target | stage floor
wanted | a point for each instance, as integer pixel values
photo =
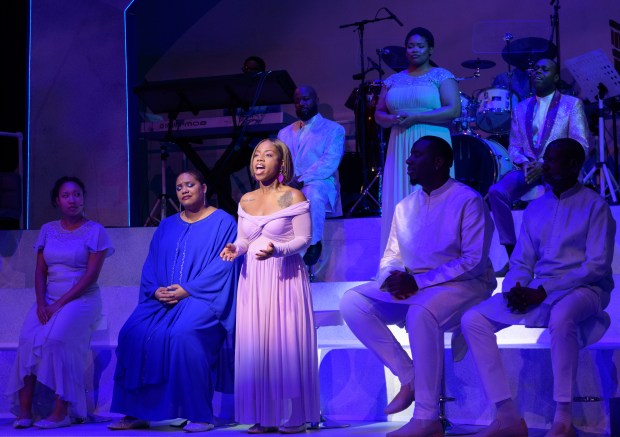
(367, 429)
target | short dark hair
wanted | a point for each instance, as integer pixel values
(196, 175)
(424, 33)
(440, 147)
(572, 148)
(260, 61)
(55, 193)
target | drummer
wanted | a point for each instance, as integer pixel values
(536, 122)
(517, 81)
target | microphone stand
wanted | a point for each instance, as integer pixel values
(555, 29)
(365, 191)
(508, 38)
(360, 128)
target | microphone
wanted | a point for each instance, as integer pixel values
(394, 17)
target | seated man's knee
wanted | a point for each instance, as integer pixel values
(417, 314)
(471, 320)
(350, 304)
(559, 324)
(496, 192)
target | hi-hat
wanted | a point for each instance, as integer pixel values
(478, 64)
(524, 52)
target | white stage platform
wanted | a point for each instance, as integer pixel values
(365, 429)
(354, 384)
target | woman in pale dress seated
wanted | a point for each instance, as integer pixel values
(276, 370)
(421, 100)
(55, 338)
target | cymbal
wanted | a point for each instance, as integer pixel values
(524, 52)
(475, 64)
(394, 57)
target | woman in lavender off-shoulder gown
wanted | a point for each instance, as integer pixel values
(276, 370)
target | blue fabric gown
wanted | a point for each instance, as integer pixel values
(167, 355)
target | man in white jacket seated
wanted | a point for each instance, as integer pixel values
(435, 266)
(560, 277)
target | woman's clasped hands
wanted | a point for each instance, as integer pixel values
(171, 295)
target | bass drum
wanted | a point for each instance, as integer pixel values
(479, 162)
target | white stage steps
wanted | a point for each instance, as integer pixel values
(354, 385)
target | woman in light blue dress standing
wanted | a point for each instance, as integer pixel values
(421, 100)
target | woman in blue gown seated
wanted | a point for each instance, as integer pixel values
(168, 348)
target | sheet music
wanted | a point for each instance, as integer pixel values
(593, 68)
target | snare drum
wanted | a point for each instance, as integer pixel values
(493, 114)
(479, 162)
(462, 123)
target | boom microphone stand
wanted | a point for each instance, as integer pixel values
(379, 169)
(361, 128)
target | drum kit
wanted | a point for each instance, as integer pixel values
(478, 161)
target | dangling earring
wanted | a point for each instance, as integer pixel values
(280, 177)
(204, 199)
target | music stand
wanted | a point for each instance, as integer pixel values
(173, 97)
(596, 77)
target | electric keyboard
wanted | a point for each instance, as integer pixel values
(215, 127)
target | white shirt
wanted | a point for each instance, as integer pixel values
(540, 114)
(443, 240)
(565, 243)
(316, 146)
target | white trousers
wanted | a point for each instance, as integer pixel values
(319, 205)
(564, 319)
(368, 319)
